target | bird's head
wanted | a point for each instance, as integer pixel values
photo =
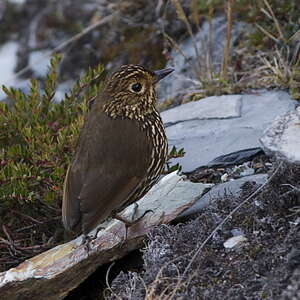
(131, 90)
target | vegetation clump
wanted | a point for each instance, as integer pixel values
(37, 137)
(264, 266)
(265, 55)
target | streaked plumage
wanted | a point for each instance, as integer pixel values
(121, 150)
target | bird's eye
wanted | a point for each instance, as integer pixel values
(136, 87)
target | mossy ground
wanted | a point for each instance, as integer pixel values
(266, 266)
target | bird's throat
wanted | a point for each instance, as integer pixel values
(137, 111)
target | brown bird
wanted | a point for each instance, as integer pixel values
(121, 150)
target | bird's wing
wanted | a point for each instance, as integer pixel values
(110, 162)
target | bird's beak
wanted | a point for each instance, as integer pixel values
(160, 74)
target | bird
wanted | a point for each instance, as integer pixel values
(120, 153)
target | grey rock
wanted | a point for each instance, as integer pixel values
(7, 62)
(39, 62)
(283, 137)
(204, 109)
(235, 241)
(222, 190)
(246, 170)
(235, 158)
(17, 1)
(207, 138)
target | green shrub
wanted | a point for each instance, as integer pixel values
(37, 138)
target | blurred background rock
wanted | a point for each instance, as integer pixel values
(31, 29)
(155, 33)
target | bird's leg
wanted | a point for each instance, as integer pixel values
(136, 206)
(129, 223)
(132, 221)
(86, 242)
(88, 238)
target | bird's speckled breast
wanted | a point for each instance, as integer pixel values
(155, 132)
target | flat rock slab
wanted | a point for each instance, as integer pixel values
(231, 188)
(205, 109)
(283, 137)
(228, 124)
(235, 158)
(52, 274)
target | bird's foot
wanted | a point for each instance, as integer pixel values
(89, 238)
(129, 223)
(136, 206)
(133, 221)
(86, 242)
